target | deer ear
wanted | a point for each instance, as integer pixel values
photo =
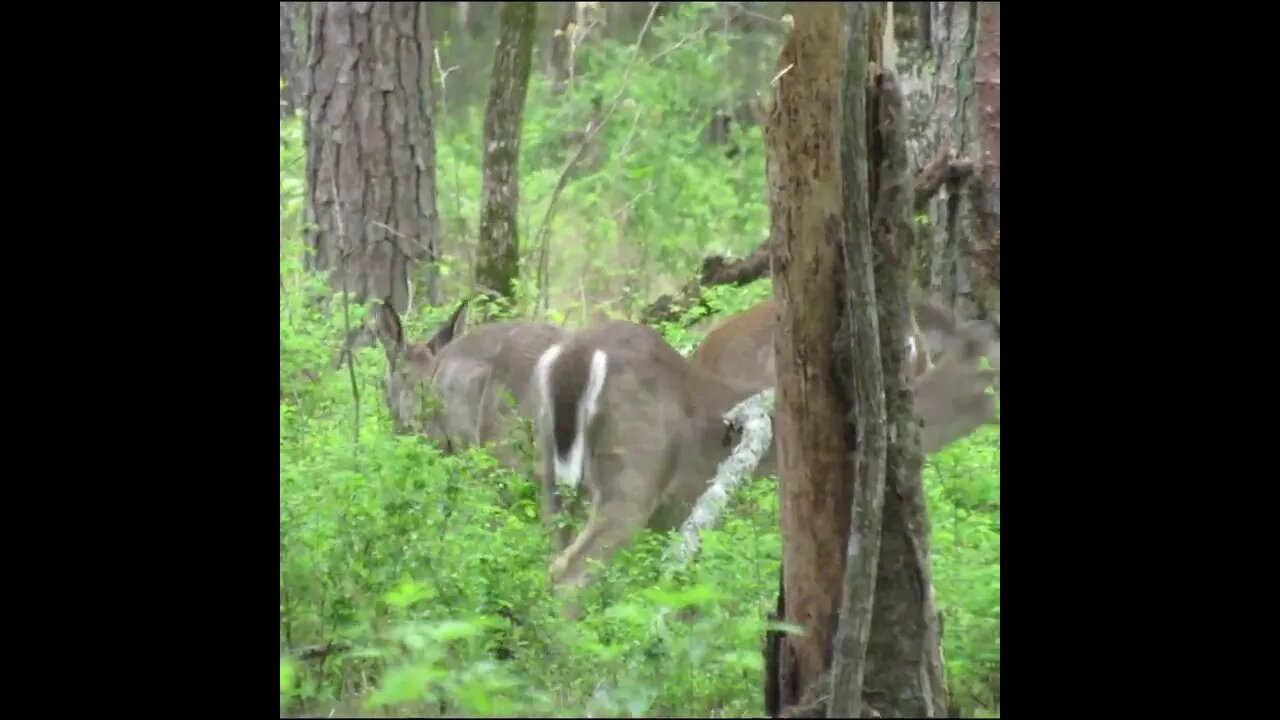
(453, 328)
(387, 326)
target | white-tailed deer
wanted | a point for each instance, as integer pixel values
(452, 387)
(642, 428)
(740, 349)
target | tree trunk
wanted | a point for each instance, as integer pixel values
(560, 58)
(498, 259)
(431, 233)
(814, 440)
(984, 193)
(954, 42)
(292, 58)
(863, 546)
(854, 394)
(903, 672)
(368, 126)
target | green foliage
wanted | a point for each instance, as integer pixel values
(660, 199)
(424, 575)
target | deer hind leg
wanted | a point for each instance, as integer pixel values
(622, 502)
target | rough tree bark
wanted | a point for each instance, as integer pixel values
(955, 275)
(292, 58)
(367, 140)
(984, 195)
(716, 270)
(498, 256)
(813, 436)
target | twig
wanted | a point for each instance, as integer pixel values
(320, 652)
(344, 249)
(542, 237)
(783, 71)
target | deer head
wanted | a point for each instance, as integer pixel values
(454, 386)
(412, 366)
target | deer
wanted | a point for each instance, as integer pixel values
(642, 428)
(452, 386)
(741, 349)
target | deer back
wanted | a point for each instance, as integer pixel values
(741, 348)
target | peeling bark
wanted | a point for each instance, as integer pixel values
(498, 255)
(368, 155)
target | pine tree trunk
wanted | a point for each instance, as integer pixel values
(368, 129)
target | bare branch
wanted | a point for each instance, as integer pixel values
(753, 416)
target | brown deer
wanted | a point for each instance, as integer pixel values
(741, 349)
(626, 415)
(452, 387)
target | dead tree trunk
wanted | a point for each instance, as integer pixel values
(903, 670)
(498, 258)
(813, 435)
(870, 640)
(367, 129)
(431, 233)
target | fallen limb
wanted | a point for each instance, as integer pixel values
(753, 417)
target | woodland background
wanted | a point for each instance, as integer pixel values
(641, 178)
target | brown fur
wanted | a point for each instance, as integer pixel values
(466, 372)
(658, 434)
(654, 444)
